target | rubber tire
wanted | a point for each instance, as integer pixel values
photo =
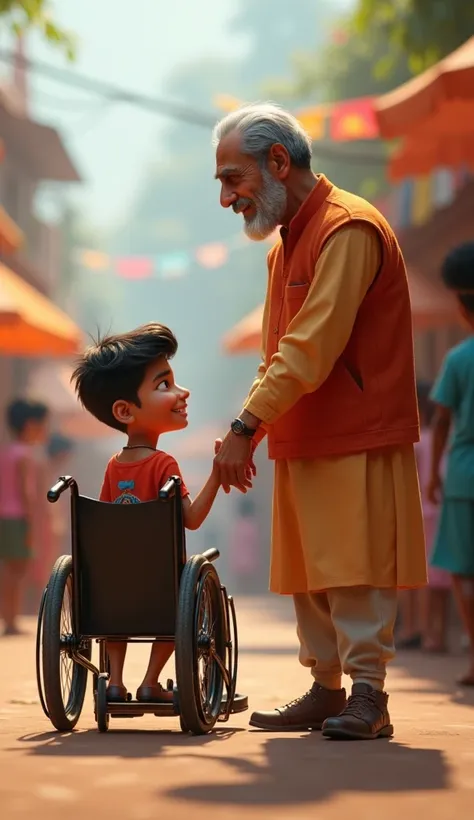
(191, 717)
(102, 714)
(63, 719)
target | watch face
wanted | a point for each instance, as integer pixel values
(237, 426)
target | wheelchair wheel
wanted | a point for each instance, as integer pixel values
(102, 716)
(63, 680)
(200, 646)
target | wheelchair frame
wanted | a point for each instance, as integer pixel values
(194, 579)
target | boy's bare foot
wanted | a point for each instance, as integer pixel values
(154, 694)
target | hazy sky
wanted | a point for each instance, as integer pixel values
(134, 45)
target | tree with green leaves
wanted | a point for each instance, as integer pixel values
(419, 31)
(374, 48)
(24, 15)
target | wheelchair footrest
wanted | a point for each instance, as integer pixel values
(239, 704)
(135, 708)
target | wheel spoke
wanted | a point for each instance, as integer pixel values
(66, 665)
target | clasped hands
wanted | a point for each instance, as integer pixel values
(233, 462)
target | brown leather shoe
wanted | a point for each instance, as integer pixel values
(306, 712)
(365, 717)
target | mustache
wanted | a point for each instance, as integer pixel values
(241, 203)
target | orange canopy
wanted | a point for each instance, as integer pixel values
(449, 81)
(431, 306)
(246, 335)
(31, 325)
(434, 113)
(419, 154)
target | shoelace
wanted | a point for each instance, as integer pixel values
(297, 701)
(357, 704)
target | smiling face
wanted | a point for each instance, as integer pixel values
(163, 403)
(250, 188)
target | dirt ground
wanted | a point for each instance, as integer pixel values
(146, 768)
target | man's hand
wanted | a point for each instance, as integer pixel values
(434, 489)
(234, 461)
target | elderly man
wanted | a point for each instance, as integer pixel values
(335, 394)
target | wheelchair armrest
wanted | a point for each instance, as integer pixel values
(63, 483)
(168, 490)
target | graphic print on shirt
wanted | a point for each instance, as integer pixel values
(126, 497)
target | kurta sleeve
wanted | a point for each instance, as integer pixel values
(262, 369)
(319, 333)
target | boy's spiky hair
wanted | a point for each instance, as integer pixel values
(114, 367)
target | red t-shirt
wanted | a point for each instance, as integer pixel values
(139, 480)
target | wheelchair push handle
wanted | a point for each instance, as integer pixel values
(168, 490)
(63, 483)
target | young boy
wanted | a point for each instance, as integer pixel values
(126, 381)
(27, 423)
(453, 395)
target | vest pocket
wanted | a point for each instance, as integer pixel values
(296, 290)
(353, 373)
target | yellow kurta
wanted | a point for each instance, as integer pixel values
(341, 521)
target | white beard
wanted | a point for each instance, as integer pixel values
(270, 206)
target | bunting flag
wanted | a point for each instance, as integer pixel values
(412, 202)
(422, 203)
(212, 256)
(171, 265)
(346, 120)
(313, 120)
(354, 120)
(138, 267)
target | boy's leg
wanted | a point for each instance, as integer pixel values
(116, 651)
(463, 586)
(160, 654)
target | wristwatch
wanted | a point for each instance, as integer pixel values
(239, 428)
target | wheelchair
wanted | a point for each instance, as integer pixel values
(128, 579)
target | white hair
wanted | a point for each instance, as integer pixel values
(262, 125)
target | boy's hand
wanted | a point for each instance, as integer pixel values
(250, 471)
(434, 489)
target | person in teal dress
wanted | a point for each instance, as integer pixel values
(453, 395)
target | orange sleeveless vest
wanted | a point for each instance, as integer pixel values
(369, 399)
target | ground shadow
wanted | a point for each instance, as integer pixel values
(125, 743)
(310, 769)
(437, 673)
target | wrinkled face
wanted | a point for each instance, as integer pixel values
(252, 189)
(163, 403)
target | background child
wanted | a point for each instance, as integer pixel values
(126, 381)
(27, 423)
(435, 598)
(453, 395)
(423, 613)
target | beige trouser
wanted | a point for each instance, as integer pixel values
(347, 629)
